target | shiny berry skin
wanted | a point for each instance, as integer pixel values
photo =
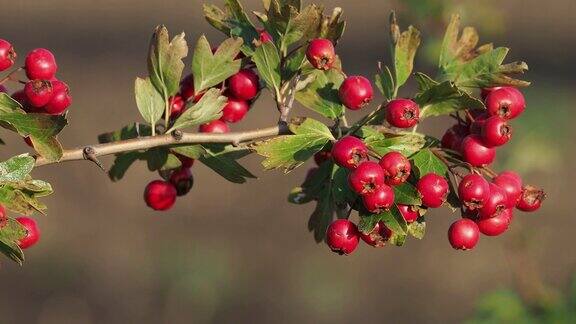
(531, 199)
(496, 225)
(321, 53)
(496, 131)
(486, 91)
(379, 200)
(463, 234)
(342, 236)
(410, 213)
(495, 203)
(244, 85)
(453, 137)
(265, 37)
(7, 55)
(38, 92)
(40, 64)
(475, 152)
(356, 92)
(512, 175)
(32, 232)
(396, 168)
(473, 191)
(433, 190)
(182, 180)
(379, 235)
(366, 178)
(506, 102)
(177, 105)
(402, 113)
(235, 110)
(511, 186)
(61, 99)
(322, 157)
(349, 151)
(215, 126)
(160, 195)
(187, 91)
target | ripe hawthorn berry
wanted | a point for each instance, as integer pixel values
(511, 174)
(402, 113)
(40, 64)
(475, 152)
(473, 191)
(322, 157)
(379, 200)
(342, 236)
(182, 180)
(486, 91)
(32, 232)
(463, 234)
(235, 110)
(495, 203)
(185, 161)
(453, 137)
(215, 126)
(356, 92)
(244, 85)
(512, 186)
(187, 91)
(531, 198)
(379, 235)
(410, 213)
(433, 190)
(321, 53)
(264, 36)
(366, 178)
(506, 102)
(496, 225)
(7, 55)
(349, 151)
(177, 105)
(38, 92)
(160, 195)
(61, 99)
(396, 168)
(496, 131)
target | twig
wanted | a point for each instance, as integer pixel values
(10, 77)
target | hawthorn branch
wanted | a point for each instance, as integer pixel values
(172, 139)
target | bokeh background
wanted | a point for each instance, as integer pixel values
(231, 253)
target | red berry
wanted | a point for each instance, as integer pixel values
(38, 92)
(512, 175)
(265, 37)
(321, 53)
(3, 217)
(410, 213)
(511, 186)
(496, 131)
(187, 89)
(433, 190)
(40, 64)
(160, 195)
(177, 105)
(366, 178)
(463, 234)
(496, 225)
(235, 110)
(402, 113)
(477, 124)
(396, 168)
(215, 126)
(379, 200)
(7, 55)
(475, 152)
(32, 232)
(495, 203)
(61, 98)
(506, 102)
(453, 137)
(486, 91)
(356, 92)
(244, 85)
(531, 199)
(186, 161)
(379, 235)
(322, 157)
(342, 236)
(182, 180)
(349, 152)
(473, 191)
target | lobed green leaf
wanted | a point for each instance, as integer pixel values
(165, 63)
(212, 69)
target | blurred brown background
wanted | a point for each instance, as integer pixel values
(230, 253)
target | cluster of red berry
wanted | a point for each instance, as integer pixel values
(32, 232)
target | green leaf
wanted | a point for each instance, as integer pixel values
(385, 82)
(392, 218)
(426, 162)
(9, 105)
(155, 158)
(165, 63)
(207, 109)
(417, 229)
(294, 63)
(267, 61)
(291, 151)
(323, 214)
(16, 168)
(10, 234)
(121, 164)
(222, 160)
(212, 69)
(127, 132)
(405, 46)
(406, 143)
(406, 194)
(314, 185)
(191, 151)
(397, 239)
(20, 201)
(149, 101)
(319, 92)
